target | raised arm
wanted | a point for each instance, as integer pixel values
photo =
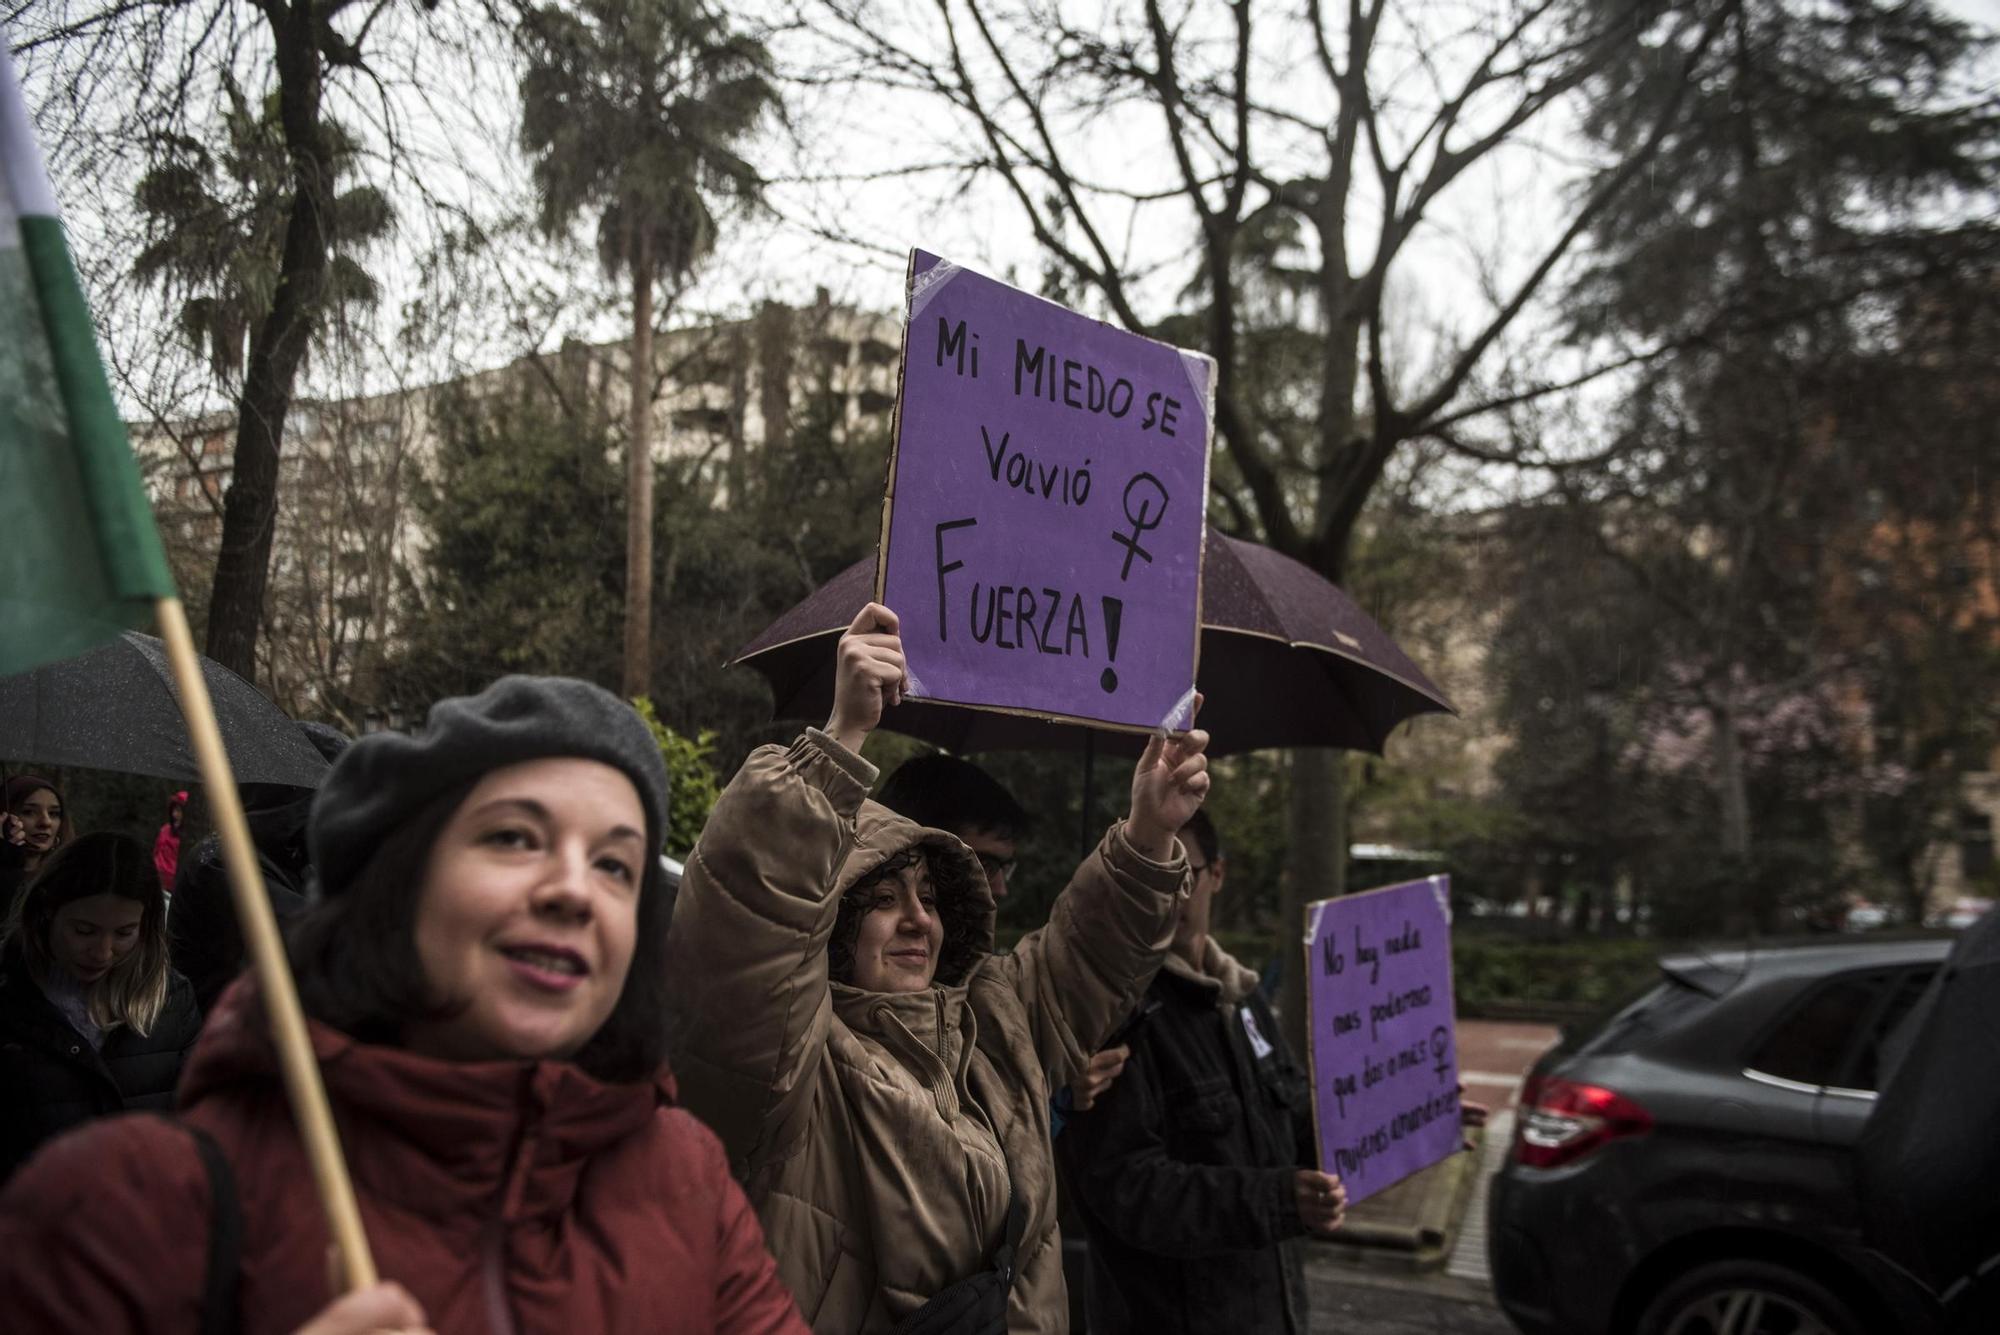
(1081, 974)
(746, 957)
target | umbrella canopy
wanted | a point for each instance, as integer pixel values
(1287, 659)
(116, 708)
(1928, 1174)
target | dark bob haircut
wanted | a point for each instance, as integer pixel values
(355, 955)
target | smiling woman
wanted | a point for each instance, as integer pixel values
(529, 911)
(879, 1071)
(482, 973)
(889, 932)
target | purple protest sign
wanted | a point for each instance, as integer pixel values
(1041, 541)
(1383, 1044)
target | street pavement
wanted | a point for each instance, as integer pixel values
(1349, 1298)
(1360, 1303)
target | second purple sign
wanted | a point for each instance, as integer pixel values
(1384, 1043)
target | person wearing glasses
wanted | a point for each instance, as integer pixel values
(1193, 1172)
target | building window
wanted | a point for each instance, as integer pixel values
(1975, 843)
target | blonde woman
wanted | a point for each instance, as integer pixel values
(92, 1019)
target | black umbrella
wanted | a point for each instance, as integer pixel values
(116, 708)
(1287, 659)
(1929, 1159)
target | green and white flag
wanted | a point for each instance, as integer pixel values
(80, 558)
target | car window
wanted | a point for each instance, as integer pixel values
(1659, 1007)
(1811, 1044)
(1881, 1037)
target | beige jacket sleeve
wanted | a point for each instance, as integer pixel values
(1082, 974)
(746, 956)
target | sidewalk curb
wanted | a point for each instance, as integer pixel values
(1421, 1242)
(1335, 1271)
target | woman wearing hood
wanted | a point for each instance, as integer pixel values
(481, 977)
(880, 1077)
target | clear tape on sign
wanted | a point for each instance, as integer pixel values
(23, 180)
(1179, 717)
(1438, 893)
(1312, 921)
(1196, 366)
(929, 283)
(912, 688)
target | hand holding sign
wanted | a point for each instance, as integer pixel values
(868, 675)
(1168, 787)
(1321, 1200)
(381, 1309)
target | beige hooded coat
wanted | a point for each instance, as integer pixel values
(870, 1128)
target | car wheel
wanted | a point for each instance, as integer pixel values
(1747, 1298)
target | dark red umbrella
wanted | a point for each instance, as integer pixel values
(1287, 659)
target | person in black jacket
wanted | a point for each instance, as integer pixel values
(1193, 1170)
(207, 938)
(93, 1021)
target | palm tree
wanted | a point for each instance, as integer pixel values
(215, 227)
(631, 110)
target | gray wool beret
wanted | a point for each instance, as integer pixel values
(384, 778)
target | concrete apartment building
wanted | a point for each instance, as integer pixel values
(348, 538)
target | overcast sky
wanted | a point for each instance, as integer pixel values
(456, 114)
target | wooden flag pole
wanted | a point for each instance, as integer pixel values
(267, 956)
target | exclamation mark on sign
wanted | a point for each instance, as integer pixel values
(1113, 610)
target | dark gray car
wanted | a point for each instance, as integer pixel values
(1685, 1166)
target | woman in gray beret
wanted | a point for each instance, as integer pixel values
(482, 975)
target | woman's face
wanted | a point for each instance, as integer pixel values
(40, 814)
(897, 948)
(528, 910)
(89, 936)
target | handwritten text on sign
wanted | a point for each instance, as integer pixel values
(1043, 544)
(1384, 1048)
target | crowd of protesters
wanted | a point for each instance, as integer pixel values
(869, 1115)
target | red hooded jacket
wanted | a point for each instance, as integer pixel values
(510, 1197)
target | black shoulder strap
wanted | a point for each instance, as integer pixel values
(219, 1315)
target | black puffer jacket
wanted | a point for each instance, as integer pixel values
(51, 1080)
(1183, 1171)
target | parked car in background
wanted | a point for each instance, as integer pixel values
(1684, 1167)
(1863, 916)
(1962, 913)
